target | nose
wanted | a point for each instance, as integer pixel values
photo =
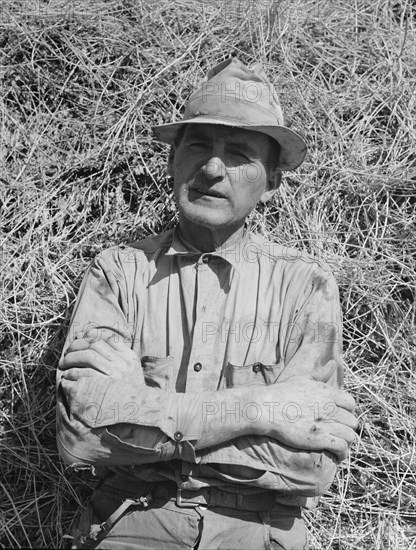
(214, 168)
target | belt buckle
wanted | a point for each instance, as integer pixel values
(184, 503)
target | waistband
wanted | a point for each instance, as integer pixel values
(209, 497)
(212, 497)
(158, 493)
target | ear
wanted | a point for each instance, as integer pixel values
(273, 183)
(171, 158)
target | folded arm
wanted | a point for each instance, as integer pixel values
(109, 419)
(108, 416)
(112, 418)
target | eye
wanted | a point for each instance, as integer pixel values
(238, 153)
(197, 145)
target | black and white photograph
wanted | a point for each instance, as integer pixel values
(208, 274)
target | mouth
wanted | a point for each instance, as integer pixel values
(209, 193)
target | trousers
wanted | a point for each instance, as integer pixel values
(165, 525)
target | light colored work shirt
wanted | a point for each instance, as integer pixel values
(250, 313)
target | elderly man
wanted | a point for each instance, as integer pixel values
(201, 373)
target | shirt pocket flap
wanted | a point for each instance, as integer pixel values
(255, 373)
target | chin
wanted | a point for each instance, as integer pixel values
(207, 221)
(207, 217)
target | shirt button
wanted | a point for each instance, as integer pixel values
(178, 436)
(205, 259)
(197, 367)
(257, 367)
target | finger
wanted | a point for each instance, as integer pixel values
(324, 373)
(112, 346)
(118, 340)
(343, 432)
(67, 385)
(334, 437)
(106, 343)
(117, 353)
(343, 399)
(348, 419)
(101, 347)
(328, 394)
(75, 373)
(336, 395)
(78, 345)
(332, 413)
(86, 358)
(337, 445)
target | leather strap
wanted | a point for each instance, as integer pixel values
(215, 497)
(99, 531)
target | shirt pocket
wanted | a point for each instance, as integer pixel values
(158, 371)
(256, 373)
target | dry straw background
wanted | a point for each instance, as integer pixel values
(82, 82)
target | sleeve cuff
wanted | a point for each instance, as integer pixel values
(184, 417)
(106, 402)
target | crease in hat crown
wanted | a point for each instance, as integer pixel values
(242, 97)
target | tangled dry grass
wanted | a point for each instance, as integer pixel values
(82, 82)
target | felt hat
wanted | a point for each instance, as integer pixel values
(241, 97)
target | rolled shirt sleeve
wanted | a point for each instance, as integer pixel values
(105, 418)
(105, 421)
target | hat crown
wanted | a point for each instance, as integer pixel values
(233, 90)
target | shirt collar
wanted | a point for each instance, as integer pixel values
(231, 251)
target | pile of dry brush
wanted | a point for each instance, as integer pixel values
(82, 83)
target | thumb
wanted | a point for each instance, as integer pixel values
(325, 372)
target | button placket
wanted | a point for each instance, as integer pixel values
(202, 347)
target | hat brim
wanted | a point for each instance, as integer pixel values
(293, 147)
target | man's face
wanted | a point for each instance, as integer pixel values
(220, 174)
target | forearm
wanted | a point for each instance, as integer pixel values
(268, 464)
(140, 425)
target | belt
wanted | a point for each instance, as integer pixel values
(214, 497)
(206, 497)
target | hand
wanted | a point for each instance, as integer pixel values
(310, 415)
(106, 356)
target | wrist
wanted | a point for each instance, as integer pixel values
(268, 401)
(232, 413)
(259, 408)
